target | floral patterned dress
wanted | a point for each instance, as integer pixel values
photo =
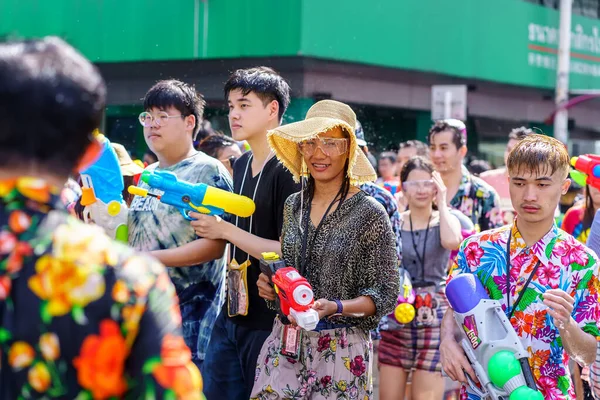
(82, 317)
(564, 264)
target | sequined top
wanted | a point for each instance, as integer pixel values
(353, 254)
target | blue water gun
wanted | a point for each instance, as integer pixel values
(102, 193)
(199, 197)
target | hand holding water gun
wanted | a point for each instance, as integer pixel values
(587, 170)
(102, 192)
(188, 197)
(490, 343)
(296, 296)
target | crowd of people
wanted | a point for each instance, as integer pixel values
(184, 311)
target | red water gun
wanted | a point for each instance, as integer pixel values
(587, 170)
(296, 296)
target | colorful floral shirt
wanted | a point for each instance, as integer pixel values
(565, 264)
(478, 201)
(82, 317)
(572, 223)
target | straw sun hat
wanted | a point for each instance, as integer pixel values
(321, 117)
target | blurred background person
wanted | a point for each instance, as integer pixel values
(387, 172)
(221, 147)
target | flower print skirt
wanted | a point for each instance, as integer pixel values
(332, 364)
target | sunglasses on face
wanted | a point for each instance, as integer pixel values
(329, 146)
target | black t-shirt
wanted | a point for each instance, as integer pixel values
(276, 185)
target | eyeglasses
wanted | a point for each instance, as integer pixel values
(161, 118)
(329, 146)
(418, 185)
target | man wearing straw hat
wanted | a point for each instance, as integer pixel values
(341, 240)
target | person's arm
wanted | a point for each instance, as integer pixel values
(218, 229)
(453, 358)
(377, 278)
(159, 362)
(580, 345)
(450, 234)
(193, 253)
(450, 230)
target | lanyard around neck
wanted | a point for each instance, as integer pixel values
(511, 310)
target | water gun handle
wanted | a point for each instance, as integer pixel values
(527, 373)
(138, 191)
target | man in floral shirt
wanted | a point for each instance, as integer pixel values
(469, 194)
(557, 314)
(81, 317)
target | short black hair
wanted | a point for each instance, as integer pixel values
(458, 137)
(389, 155)
(177, 94)
(213, 144)
(51, 101)
(265, 82)
(422, 149)
(519, 133)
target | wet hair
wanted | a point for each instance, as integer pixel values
(51, 101)
(388, 155)
(213, 144)
(265, 82)
(416, 163)
(539, 154)
(179, 95)
(519, 133)
(458, 137)
(422, 149)
(477, 166)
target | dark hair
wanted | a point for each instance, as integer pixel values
(179, 95)
(388, 155)
(422, 149)
(537, 152)
(51, 100)
(416, 163)
(477, 166)
(213, 144)
(458, 137)
(265, 82)
(204, 130)
(590, 212)
(519, 133)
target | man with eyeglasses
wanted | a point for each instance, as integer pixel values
(197, 265)
(470, 195)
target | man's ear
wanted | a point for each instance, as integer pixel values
(565, 186)
(190, 122)
(463, 151)
(273, 107)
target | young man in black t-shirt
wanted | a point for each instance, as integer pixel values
(257, 99)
